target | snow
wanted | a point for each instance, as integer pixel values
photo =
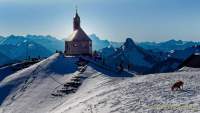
(30, 89)
(189, 69)
(101, 92)
(197, 54)
(150, 93)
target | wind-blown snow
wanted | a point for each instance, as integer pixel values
(99, 92)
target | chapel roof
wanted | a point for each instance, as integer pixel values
(78, 35)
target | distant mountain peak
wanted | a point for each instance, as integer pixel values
(129, 44)
(98, 43)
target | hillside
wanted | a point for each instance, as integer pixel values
(30, 90)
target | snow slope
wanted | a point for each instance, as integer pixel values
(30, 91)
(151, 93)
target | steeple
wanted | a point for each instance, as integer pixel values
(76, 10)
(76, 20)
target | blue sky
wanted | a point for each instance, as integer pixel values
(143, 20)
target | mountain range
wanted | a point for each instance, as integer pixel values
(165, 46)
(131, 54)
(143, 60)
(16, 48)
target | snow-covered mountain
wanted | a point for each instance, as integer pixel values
(150, 60)
(107, 51)
(185, 53)
(20, 47)
(49, 42)
(164, 46)
(30, 90)
(132, 54)
(97, 43)
(21, 51)
(167, 46)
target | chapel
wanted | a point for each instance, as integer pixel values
(78, 43)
